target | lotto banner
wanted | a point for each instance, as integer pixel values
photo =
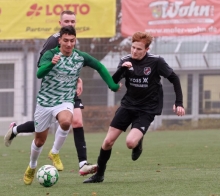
(29, 19)
(171, 17)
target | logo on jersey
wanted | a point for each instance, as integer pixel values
(147, 71)
(143, 128)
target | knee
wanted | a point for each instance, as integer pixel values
(108, 143)
(130, 144)
(77, 123)
(39, 142)
(65, 125)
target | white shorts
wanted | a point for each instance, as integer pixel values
(45, 116)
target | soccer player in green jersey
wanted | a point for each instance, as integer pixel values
(67, 18)
(59, 69)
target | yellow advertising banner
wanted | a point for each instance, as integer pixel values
(38, 19)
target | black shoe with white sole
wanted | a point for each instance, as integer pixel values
(94, 179)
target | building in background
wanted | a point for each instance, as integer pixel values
(195, 58)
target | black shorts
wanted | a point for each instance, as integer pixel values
(138, 119)
(78, 103)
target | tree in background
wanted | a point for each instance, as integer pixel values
(99, 48)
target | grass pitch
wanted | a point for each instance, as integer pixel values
(173, 163)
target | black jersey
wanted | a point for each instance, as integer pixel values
(142, 80)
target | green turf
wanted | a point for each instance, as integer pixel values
(184, 163)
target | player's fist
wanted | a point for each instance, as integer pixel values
(55, 59)
(127, 64)
(180, 111)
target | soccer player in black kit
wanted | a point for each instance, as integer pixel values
(142, 101)
(66, 18)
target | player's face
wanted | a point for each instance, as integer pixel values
(68, 20)
(138, 50)
(67, 43)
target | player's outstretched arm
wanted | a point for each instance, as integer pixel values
(103, 72)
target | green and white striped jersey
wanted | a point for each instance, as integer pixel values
(59, 81)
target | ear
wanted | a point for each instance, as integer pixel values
(59, 40)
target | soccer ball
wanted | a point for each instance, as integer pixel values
(47, 175)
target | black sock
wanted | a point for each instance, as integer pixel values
(103, 158)
(80, 143)
(27, 127)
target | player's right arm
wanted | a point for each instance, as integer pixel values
(52, 42)
(122, 67)
(47, 61)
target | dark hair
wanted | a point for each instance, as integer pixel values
(70, 30)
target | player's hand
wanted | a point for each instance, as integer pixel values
(120, 85)
(127, 64)
(79, 88)
(55, 59)
(180, 111)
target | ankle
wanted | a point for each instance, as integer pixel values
(14, 130)
(81, 163)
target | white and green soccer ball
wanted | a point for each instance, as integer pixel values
(47, 175)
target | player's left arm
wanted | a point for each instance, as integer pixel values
(166, 71)
(101, 69)
(178, 106)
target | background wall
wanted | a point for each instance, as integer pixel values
(195, 59)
